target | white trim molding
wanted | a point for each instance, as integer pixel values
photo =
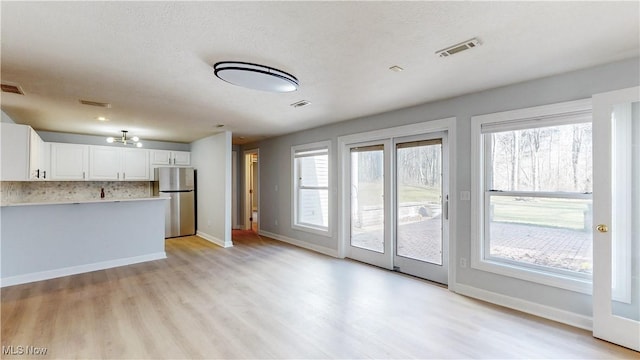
(543, 311)
(299, 243)
(80, 269)
(214, 240)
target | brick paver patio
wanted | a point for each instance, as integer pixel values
(558, 248)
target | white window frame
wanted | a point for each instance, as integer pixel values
(549, 115)
(295, 224)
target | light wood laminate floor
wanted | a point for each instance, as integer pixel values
(266, 299)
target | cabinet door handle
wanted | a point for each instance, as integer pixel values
(124, 176)
(118, 176)
(44, 174)
(83, 177)
(37, 173)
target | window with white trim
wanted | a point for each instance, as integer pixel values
(311, 183)
(533, 198)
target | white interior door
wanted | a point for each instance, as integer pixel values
(368, 179)
(616, 199)
(421, 206)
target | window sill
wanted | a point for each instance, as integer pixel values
(575, 284)
(313, 230)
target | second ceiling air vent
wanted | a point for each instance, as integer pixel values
(301, 103)
(95, 103)
(454, 49)
(14, 89)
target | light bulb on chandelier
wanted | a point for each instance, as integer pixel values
(124, 140)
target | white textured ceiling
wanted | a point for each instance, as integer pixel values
(153, 60)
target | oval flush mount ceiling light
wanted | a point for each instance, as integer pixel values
(254, 76)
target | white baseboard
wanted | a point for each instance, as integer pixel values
(73, 270)
(215, 240)
(302, 244)
(544, 311)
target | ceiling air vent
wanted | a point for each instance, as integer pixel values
(95, 103)
(12, 89)
(454, 49)
(301, 103)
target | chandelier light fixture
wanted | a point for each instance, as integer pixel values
(254, 76)
(124, 140)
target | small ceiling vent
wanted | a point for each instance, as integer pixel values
(301, 103)
(454, 49)
(12, 89)
(95, 103)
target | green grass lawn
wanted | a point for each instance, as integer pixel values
(370, 194)
(550, 212)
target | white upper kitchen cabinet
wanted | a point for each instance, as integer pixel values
(22, 152)
(39, 157)
(108, 163)
(69, 161)
(182, 158)
(135, 165)
(105, 163)
(166, 157)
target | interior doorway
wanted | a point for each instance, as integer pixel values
(251, 190)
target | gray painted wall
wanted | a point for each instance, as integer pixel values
(275, 166)
(50, 136)
(45, 241)
(6, 119)
(236, 187)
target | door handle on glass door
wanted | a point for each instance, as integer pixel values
(446, 208)
(602, 228)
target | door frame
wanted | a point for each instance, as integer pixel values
(344, 143)
(246, 155)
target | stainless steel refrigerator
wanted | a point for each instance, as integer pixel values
(178, 184)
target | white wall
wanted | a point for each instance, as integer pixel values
(211, 157)
(276, 164)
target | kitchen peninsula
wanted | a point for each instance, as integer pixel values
(47, 239)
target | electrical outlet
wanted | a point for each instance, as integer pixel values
(463, 262)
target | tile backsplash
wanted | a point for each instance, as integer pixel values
(45, 191)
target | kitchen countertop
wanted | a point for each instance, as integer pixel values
(90, 201)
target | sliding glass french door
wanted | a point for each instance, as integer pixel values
(398, 197)
(421, 207)
(616, 217)
(369, 239)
